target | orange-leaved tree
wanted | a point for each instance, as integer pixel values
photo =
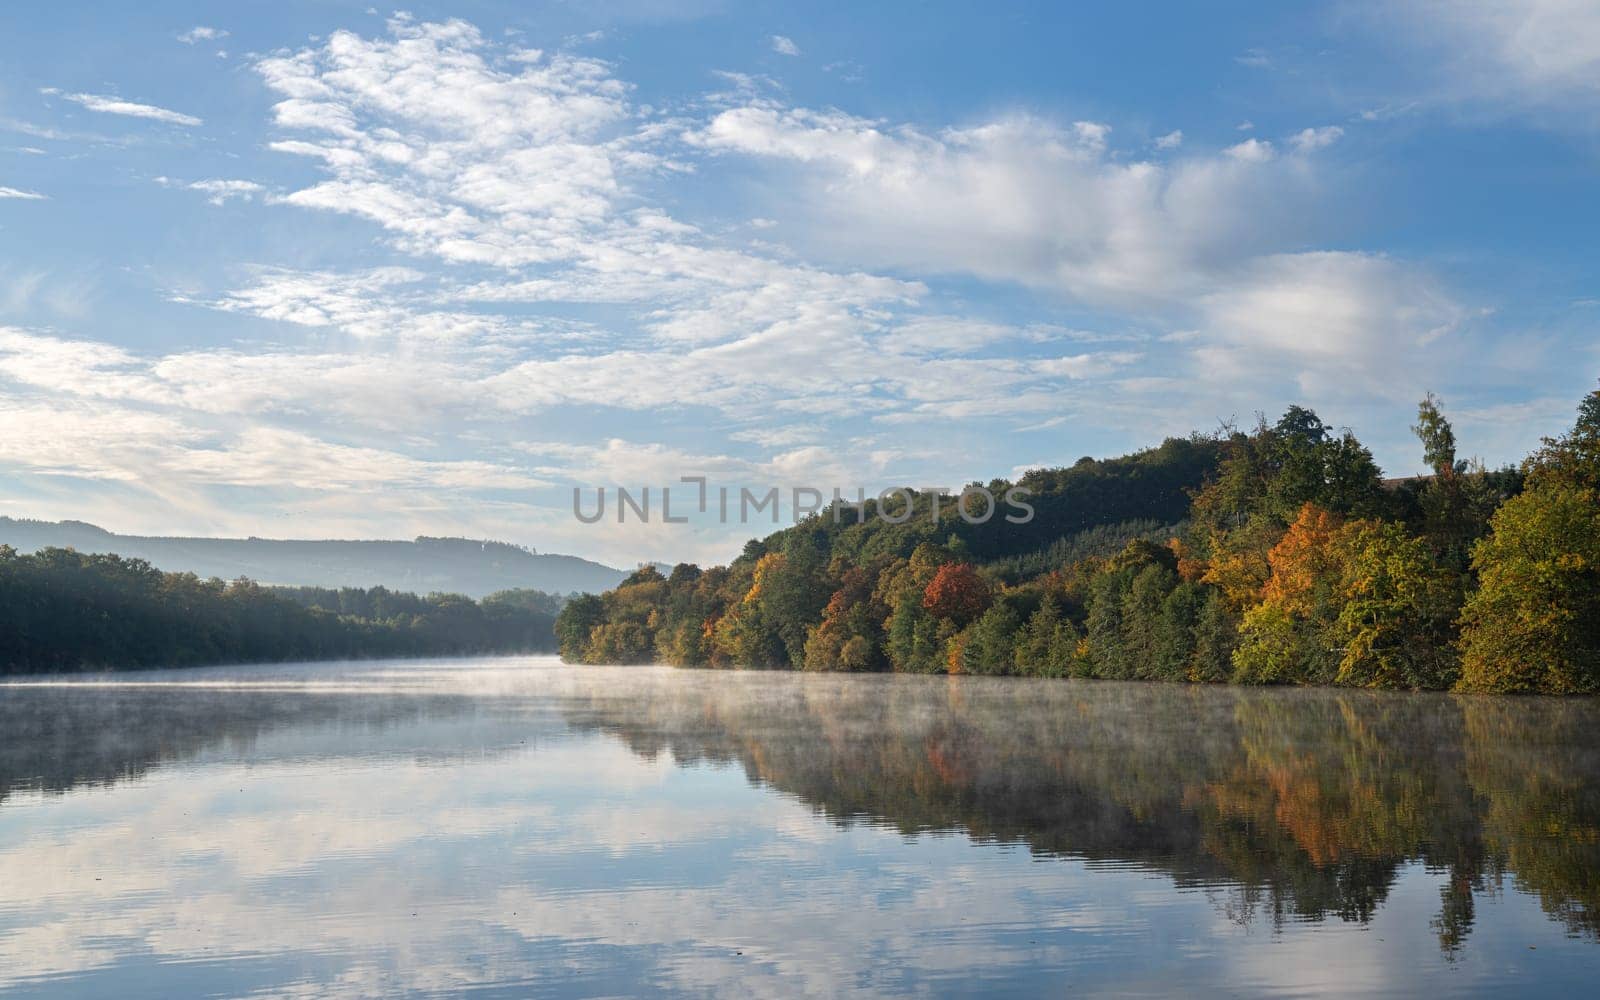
(956, 592)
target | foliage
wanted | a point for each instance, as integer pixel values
(1574, 458)
(957, 593)
(1399, 602)
(1099, 542)
(1437, 436)
(1534, 622)
(62, 610)
(1361, 604)
(1048, 644)
(1276, 555)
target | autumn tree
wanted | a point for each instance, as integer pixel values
(1283, 638)
(956, 592)
(846, 638)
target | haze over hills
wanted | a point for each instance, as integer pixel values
(456, 565)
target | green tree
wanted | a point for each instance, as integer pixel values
(1574, 458)
(1176, 631)
(1396, 622)
(991, 641)
(1437, 436)
(914, 642)
(1144, 632)
(1215, 638)
(1047, 644)
(1108, 654)
(1534, 622)
(620, 642)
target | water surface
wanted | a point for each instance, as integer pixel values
(516, 827)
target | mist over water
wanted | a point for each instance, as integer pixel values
(518, 827)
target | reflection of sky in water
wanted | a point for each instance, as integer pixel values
(438, 829)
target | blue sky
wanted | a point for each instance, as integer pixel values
(315, 269)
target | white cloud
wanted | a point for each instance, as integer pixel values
(784, 46)
(1309, 140)
(17, 193)
(220, 191)
(451, 154)
(91, 439)
(388, 302)
(1333, 319)
(1172, 140)
(1250, 151)
(1024, 200)
(277, 458)
(1506, 54)
(118, 106)
(201, 33)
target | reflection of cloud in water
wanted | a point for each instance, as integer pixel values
(433, 827)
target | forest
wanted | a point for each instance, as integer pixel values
(63, 610)
(1277, 555)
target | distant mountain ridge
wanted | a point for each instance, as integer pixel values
(455, 565)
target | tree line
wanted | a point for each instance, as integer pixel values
(1276, 555)
(63, 610)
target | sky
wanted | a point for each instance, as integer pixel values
(318, 269)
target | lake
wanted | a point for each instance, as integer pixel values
(516, 827)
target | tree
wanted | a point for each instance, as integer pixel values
(1144, 623)
(1398, 605)
(1105, 638)
(1534, 622)
(1457, 501)
(1284, 639)
(956, 592)
(1239, 566)
(914, 642)
(991, 642)
(1437, 436)
(1175, 634)
(1047, 644)
(620, 642)
(792, 590)
(1574, 458)
(851, 614)
(1216, 635)
(1360, 603)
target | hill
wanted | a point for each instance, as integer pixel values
(423, 565)
(1275, 556)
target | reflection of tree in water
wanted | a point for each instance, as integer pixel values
(1280, 804)
(54, 739)
(1538, 780)
(1283, 805)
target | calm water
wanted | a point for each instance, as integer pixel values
(515, 827)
